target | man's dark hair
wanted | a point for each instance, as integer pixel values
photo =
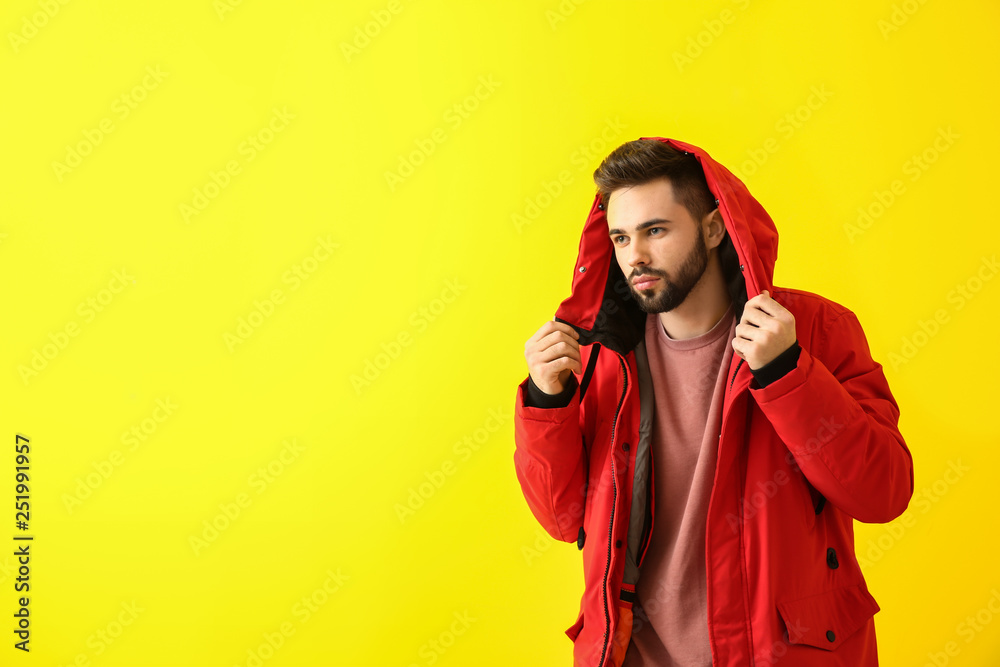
(644, 160)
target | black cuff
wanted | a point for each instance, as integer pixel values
(778, 367)
(536, 398)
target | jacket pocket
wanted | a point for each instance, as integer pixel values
(827, 620)
(574, 630)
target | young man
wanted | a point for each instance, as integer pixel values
(706, 438)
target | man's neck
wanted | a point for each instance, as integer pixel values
(702, 309)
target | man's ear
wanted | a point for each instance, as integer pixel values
(715, 228)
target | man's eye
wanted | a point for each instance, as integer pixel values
(619, 240)
(653, 230)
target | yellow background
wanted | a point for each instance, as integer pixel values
(435, 281)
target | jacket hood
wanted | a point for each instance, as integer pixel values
(601, 307)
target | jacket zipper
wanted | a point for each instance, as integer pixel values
(611, 523)
(733, 379)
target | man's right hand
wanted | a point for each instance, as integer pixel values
(553, 353)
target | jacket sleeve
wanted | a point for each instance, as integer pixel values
(551, 463)
(839, 420)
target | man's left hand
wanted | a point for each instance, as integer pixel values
(766, 330)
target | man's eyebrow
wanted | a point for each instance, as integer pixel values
(641, 226)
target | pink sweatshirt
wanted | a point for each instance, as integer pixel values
(671, 626)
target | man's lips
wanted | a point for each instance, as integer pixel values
(644, 282)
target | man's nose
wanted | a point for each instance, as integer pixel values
(637, 255)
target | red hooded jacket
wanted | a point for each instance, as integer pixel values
(798, 461)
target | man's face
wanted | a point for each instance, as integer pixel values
(659, 245)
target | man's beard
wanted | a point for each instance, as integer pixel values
(673, 294)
